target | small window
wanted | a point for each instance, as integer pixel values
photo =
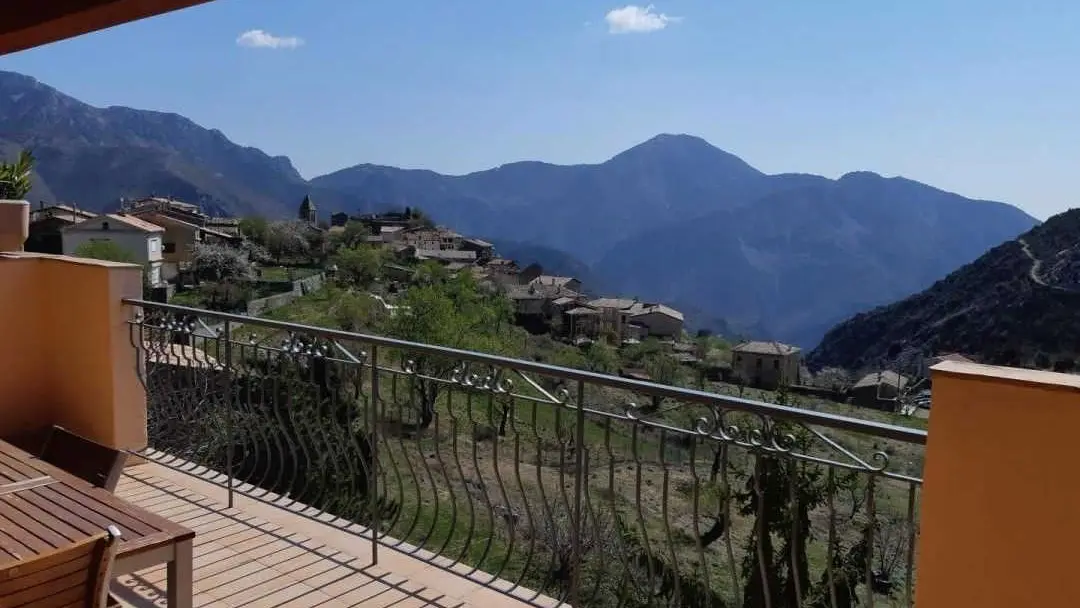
(738, 358)
(169, 248)
(104, 225)
(776, 364)
(757, 363)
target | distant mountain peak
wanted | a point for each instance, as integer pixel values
(669, 142)
(688, 151)
(861, 175)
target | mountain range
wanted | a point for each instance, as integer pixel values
(94, 156)
(673, 219)
(1015, 305)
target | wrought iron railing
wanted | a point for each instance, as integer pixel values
(539, 480)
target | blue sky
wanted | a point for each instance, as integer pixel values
(978, 97)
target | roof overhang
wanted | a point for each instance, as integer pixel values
(30, 23)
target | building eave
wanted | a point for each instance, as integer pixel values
(30, 23)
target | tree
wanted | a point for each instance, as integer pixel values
(834, 378)
(15, 177)
(254, 228)
(104, 250)
(430, 272)
(353, 311)
(601, 358)
(359, 266)
(224, 296)
(453, 313)
(287, 239)
(419, 219)
(317, 244)
(662, 369)
(353, 234)
(219, 263)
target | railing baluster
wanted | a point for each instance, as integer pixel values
(911, 531)
(579, 473)
(871, 524)
(793, 510)
(230, 410)
(374, 445)
(761, 531)
(830, 554)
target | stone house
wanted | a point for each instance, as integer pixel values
(617, 315)
(581, 322)
(484, 250)
(565, 282)
(502, 266)
(878, 390)
(766, 365)
(659, 321)
(432, 239)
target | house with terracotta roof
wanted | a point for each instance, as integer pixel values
(137, 236)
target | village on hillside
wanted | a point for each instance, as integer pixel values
(253, 267)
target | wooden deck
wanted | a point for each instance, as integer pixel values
(258, 555)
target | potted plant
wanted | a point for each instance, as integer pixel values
(14, 210)
(15, 177)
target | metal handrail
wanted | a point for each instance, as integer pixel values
(807, 417)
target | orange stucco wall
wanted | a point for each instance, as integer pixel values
(66, 353)
(1000, 510)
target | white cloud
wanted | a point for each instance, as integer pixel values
(633, 19)
(261, 39)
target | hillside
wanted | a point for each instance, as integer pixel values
(1015, 305)
(94, 156)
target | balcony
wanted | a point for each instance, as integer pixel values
(321, 467)
(547, 485)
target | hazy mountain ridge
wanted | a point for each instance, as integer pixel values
(675, 219)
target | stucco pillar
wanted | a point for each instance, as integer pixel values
(1000, 509)
(68, 358)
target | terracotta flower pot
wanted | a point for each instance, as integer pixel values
(14, 224)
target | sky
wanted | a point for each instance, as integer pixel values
(976, 97)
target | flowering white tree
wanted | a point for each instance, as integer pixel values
(220, 263)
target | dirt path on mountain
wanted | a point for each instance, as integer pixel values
(1036, 264)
